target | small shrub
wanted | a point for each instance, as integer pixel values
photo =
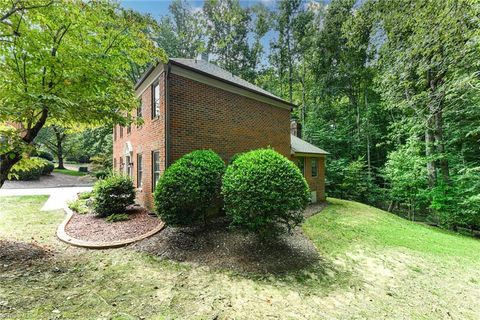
(85, 195)
(47, 168)
(27, 169)
(102, 174)
(112, 195)
(189, 190)
(83, 169)
(45, 155)
(264, 192)
(117, 217)
(79, 206)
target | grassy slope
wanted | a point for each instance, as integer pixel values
(70, 172)
(374, 265)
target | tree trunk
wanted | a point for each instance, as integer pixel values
(443, 162)
(7, 161)
(431, 168)
(60, 136)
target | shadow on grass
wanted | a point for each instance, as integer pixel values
(291, 259)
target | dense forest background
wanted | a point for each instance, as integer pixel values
(390, 88)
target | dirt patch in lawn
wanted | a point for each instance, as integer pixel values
(217, 246)
(14, 251)
(89, 227)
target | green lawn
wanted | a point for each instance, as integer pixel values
(373, 265)
(70, 172)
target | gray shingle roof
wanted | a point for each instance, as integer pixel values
(217, 72)
(302, 146)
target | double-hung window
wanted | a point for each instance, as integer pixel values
(314, 167)
(139, 171)
(128, 165)
(155, 99)
(155, 168)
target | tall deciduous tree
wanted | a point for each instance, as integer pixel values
(67, 63)
(229, 30)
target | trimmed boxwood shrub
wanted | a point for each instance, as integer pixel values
(264, 192)
(112, 195)
(190, 188)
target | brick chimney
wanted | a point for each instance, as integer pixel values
(296, 128)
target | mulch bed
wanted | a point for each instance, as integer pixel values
(89, 227)
(219, 247)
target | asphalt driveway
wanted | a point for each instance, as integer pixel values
(54, 180)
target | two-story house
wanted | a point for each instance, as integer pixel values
(189, 104)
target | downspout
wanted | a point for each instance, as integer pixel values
(167, 115)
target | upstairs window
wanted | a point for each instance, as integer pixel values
(155, 99)
(314, 167)
(114, 132)
(140, 109)
(121, 132)
(129, 129)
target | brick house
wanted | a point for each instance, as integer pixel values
(189, 104)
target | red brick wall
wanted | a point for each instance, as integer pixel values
(201, 117)
(145, 139)
(205, 117)
(315, 183)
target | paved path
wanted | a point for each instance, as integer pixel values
(54, 180)
(58, 196)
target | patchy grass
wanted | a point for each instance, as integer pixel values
(70, 172)
(373, 265)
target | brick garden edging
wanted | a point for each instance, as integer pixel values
(63, 236)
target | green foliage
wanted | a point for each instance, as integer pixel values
(265, 193)
(47, 168)
(31, 169)
(117, 217)
(190, 188)
(405, 174)
(44, 155)
(102, 174)
(112, 195)
(85, 195)
(350, 180)
(79, 206)
(88, 50)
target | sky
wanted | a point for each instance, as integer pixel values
(158, 8)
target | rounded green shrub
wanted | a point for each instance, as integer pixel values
(264, 192)
(112, 195)
(47, 167)
(30, 169)
(189, 190)
(45, 155)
